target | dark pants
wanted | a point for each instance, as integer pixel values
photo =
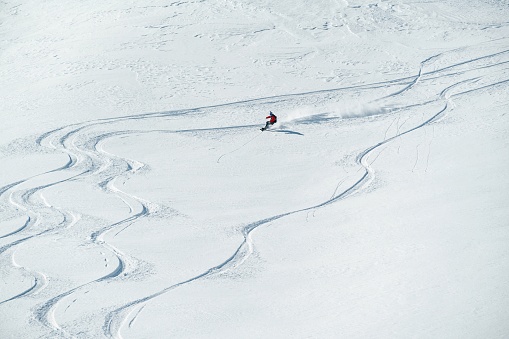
(268, 123)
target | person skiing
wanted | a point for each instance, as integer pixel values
(272, 119)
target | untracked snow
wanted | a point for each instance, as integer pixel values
(139, 198)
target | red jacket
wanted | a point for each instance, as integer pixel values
(272, 118)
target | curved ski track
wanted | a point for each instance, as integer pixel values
(89, 162)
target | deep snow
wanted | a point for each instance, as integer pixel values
(139, 199)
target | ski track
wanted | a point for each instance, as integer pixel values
(87, 157)
(414, 82)
(22, 200)
(97, 165)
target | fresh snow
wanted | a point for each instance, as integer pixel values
(139, 199)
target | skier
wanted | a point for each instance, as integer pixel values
(272, 119)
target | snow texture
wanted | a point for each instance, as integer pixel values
(139, 199)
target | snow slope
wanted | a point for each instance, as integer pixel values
(138, 198)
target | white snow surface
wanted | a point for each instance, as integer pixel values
(139, 199)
